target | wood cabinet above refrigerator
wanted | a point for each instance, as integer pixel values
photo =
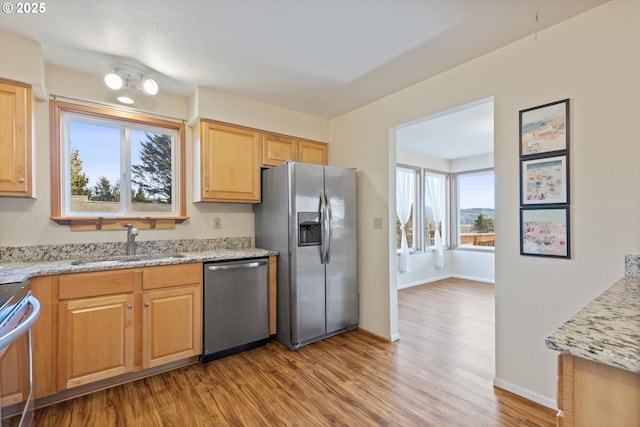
(15, 139)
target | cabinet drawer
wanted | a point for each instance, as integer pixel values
(83, 285)
(173, 275)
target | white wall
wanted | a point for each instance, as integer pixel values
(591, 59)
(26, 221)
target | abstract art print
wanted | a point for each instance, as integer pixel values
(544, 129)
(545, 232)
(544, 180)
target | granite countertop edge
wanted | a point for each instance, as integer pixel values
(607, 330)
(17, 272)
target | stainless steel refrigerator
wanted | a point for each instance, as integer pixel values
(308, 214)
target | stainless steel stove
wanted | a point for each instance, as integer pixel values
(18, 312)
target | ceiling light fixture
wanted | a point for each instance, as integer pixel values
(128, 77)
(125, 97)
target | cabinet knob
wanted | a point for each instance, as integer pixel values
(146, 304)
(20, 180)
(129, 305)
(206, 189)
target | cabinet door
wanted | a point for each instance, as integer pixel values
(229, 164)
(312, 152)
(172, 325)
(14, 382)
(95, 339)
(15, 140)
(277, 149)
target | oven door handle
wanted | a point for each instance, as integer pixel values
(8, 339)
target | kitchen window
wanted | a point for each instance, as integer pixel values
(111, 167)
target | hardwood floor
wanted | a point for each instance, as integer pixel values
(438, 374)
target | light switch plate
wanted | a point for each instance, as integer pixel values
(217, 223)
(377, 223)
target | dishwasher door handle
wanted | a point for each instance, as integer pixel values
(252, 264)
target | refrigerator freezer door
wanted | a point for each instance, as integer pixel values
(307, 291)
(342, 309)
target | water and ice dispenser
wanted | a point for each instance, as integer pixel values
(309, 229)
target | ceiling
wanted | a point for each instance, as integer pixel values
(462, 132)
(319, 57)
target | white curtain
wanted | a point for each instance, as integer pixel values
(436, 187)
(405, 195)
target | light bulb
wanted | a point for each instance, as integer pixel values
(113, 81)
(150, 86)
(125, 97)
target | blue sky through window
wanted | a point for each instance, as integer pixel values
(476, 191)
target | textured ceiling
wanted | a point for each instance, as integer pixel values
(320, 57)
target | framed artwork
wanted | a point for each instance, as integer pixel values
(545, 232)
(544, 129)
(544, 181)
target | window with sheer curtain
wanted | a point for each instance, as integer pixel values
(405, 201)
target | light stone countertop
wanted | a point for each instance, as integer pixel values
(18, 271)
(607, 330)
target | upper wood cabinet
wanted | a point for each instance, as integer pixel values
(15, 139)
(312, 152)
(277, 149)
(229, 164)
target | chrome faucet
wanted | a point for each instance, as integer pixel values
(131, 239)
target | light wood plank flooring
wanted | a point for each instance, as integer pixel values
(438, 374)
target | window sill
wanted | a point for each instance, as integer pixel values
(118, 223)
(476, 248)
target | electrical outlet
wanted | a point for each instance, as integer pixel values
(217, 223)
(377, 223)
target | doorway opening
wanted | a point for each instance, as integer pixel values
(445, 222)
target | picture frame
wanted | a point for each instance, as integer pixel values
(544, 180)
(545, 231)
(544, 129)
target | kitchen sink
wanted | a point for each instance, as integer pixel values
(125, 258)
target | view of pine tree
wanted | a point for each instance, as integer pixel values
(139, 196)
(483, 224)
(79, 179)
(103, 191)
(153, 176)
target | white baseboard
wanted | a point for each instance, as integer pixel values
(527, 394)
(395, 337)
(446, 276)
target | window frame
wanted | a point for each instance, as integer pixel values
(447, 216)
(416, 245)
(419, 235)
(57, 110)
(455, 211)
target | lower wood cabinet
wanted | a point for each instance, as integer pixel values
(171, 325)
(99, 325)
(95, 339)
(14, 383)
(592, 394)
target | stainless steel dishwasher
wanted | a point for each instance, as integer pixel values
(236, 307)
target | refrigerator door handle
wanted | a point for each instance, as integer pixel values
(329, 226)
(323, 216)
